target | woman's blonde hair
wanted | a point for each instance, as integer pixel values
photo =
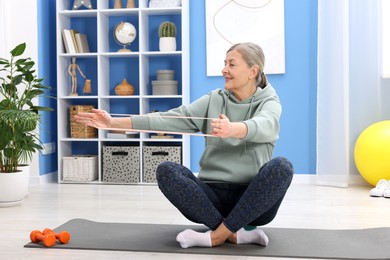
(253, 55)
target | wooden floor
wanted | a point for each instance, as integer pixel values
(50, 205)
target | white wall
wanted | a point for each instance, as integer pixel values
(18, 23)
(385, 63)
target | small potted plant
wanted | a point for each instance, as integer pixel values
(19, 117)
(167, 34)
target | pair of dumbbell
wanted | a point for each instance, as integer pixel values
(48, 237)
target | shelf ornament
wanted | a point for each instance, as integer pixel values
(124, 34)
(72, 71)
(124, 89)
(118, 4)
(167, 34)
(79, 3)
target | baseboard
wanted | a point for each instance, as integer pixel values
(356, 180)
(298, 179)
(304, 179)
(43, 179)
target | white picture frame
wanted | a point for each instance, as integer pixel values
(233, 21)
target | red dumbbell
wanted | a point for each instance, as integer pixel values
(63, 236)
(48, 240)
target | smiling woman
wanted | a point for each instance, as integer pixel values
(237, 168)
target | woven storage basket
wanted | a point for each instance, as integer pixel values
(80, 168)
(78, 130)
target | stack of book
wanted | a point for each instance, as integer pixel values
(74, 41)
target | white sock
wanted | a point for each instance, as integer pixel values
(256, 236)
(190, 238)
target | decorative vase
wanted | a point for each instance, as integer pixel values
(124, 89)
(167, 44)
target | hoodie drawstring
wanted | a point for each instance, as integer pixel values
(248, 116)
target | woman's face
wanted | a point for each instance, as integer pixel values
(236, 72)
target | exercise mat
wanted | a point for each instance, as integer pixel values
(284, 242)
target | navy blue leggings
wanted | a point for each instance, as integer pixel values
(234, 205)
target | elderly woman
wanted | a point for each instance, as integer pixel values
(239, 186)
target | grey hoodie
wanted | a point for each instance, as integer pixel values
(227, 159)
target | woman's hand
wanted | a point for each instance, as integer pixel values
(221, 127)
(97, 118)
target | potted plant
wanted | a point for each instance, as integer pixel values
(167, 34)
(19, 117)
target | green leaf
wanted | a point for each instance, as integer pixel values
(40, 86)
(10, 89)
(8, 152)
(21, 61)
(18, 50)
(27, 66)
(17, 80)
(29, 77)
(34, 93)
(41, 108)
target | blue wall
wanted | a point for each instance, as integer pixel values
(47, 71)
(297, 88)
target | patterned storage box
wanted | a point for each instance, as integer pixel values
(154, 155)
(80, 168)
(121, 164)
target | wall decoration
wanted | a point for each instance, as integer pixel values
(233, 21)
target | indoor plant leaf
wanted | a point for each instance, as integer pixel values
(18, 50)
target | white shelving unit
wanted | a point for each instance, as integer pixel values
(106, 68)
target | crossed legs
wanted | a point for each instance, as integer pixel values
(226, 208)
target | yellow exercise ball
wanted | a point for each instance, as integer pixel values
(372, 152)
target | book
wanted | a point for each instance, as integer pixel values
(82, 42)
(65, 42)
(73, 33)
(68, 42)
(122, 135)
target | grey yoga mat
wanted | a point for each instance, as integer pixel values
(284, 242)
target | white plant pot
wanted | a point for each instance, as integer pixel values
(14, 186)
(167, 44)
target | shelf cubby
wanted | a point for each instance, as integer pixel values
(106, 68)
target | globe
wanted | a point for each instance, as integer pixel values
(124, 34)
